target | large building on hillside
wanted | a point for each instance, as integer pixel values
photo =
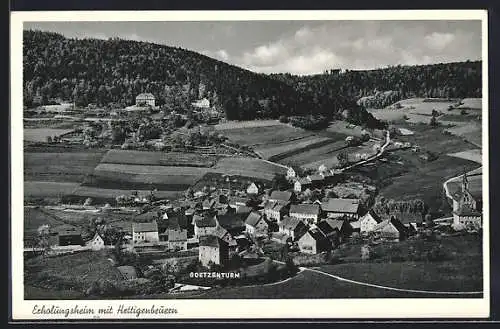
(467, 208)
(145, 99)
(145, 232)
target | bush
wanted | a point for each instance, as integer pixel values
(284, 119)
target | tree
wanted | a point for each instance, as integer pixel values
(433, 122)
(43, 239)
(49, 139)
(279, 182)
(342, 158)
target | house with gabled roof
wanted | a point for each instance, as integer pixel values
(66, 235)
(369, 221)
(342, 225)
(253, 189)
(316, 180)
(390, 230)
(256, 225)
(292, 227)
(145, 232)
(313, 242)
(234, 223)
(97, 242)
(336, 207)
(204, 225)
(301, 184)
(275, 210)
(307, 212)
(145, 99)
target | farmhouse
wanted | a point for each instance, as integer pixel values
(341, 207)
(97, 242)
(275, 210)
(368, 222)
(307, 212)
(256, 225)
(213, 250)
(253, 189)
(290, 173)
(466, 206)
(175, 236)
(225, 236)
(332, 234)
(145, 232)
(292, 227)
(316, 180)
(204, 225)
(342, 226)
(313, 242)
(301, 184)
(390, 230)
(322, 169)
(145, 99)
(67, 235)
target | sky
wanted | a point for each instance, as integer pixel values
(298, 47)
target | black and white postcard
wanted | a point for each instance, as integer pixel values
(250, 164)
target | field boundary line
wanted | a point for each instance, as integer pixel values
(393, 288)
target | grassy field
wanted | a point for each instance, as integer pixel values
(248, 167)
(472, 103)
(388, 114)
(264, 135)
(60, 166)
(276, 152)
(308, 156)
(472, 132)
(472, 155)
(405, 176)
(73, 273)
(158, 158)
(34, 218)
(34, 189)
(41, 134)
(247, 124)
(121, 176)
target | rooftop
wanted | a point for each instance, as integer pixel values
(349, 206)
(309, 209)
(281, 195)
(253, 218)
(145, 227)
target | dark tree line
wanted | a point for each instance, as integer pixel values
(114, 71)
(388, 85)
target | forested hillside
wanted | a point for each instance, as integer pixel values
(116, 71)
(382, 87)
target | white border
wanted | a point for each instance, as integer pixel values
(250, 308)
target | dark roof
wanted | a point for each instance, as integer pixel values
(253, 218)
(374, 215)
(310, 209)
(206, 221)
(145, 227)
(211, 241)
(281, 195)
(231, 221)
(325, 227)
(335, 223)
(316, 234)
(290, 223)
(220, 232)
(67, 230)
(350, 206)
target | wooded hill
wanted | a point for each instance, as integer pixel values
(389, 85)
(116, 71)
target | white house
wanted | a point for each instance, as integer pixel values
(301, 184)
(213, 250)
(145, 99)
(145, 232)
(290, 173)
(292, 227)
(256, 225)
(204, 225)
(322, 169)
(202, 103)
(306, 212)
(253, 189)
(275, 210)
(97, 243)
(368, 222)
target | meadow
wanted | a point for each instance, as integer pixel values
(36, 189)
(248, 167)
(60, 166)
(176, 159)
(264, 135)
(41, 134)
(105, 195)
